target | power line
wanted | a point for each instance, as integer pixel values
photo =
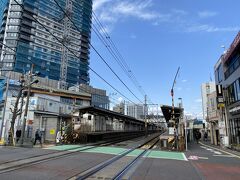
(14, 50)
(98, 52)
(122, 63)
(70, 49)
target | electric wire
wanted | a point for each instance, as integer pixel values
(101, 57)
(120, 60)
(117, 56)
(59, 40)
(33, 63)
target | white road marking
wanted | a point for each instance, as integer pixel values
(185, 158)
(221, 150)
(222, 155)
(210, 149)
(193, 157)
(202, 157)
(216, 152)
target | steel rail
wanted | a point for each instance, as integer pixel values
(121, 173)
(100, 166)
(56, 155)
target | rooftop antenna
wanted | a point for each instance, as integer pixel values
(224, 49)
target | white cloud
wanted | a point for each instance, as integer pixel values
(209, 28)
(110, 12)
(206, 14)
(184, 80)
(137, 9)
(198, 100)
(106, 17)
(97, 4)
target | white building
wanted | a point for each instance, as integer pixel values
(136, 110)
(49, 110)
(206, 89)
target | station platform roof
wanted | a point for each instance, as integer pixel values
(108, 113)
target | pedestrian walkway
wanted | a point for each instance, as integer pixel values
(224, 149)
(117, 150)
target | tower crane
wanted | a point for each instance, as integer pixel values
(66, 41)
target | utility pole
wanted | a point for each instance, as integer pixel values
(16, 111)
(173, 113)
(145, 114)
(30, 82)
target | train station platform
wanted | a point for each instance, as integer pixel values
(89, 137)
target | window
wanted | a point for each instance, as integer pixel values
(12, 34)
(14, 20)
(89, 117)
(13, 27)
(238, 89)
(234, 92)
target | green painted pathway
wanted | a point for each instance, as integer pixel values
(116, 151)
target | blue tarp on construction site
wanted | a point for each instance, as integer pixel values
(2, 84)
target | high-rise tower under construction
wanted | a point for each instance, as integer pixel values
(27, 37)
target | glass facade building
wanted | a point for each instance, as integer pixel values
(32, 43)
(227, 73)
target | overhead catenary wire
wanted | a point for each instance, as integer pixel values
(82, 89)
(115, 53)
(59, 40)
(12, 48)
(92, 70)
(120, 58)
(101, 57)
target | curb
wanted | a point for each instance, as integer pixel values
(232, 154)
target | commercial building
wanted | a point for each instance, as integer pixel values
(30, 42)
(136, 110)
(206, 89)
(49, 110)
(99, 97)
(229, 67)
(119, 108)
(214, 119)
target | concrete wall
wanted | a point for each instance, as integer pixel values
(48, 125)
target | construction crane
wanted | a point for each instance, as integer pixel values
(66, 41)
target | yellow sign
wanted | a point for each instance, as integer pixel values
(221, 105)
(1, 141)
(52, 131)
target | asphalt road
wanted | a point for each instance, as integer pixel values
(200, 162)
(203, 163)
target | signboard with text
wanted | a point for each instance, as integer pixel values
(220, 99)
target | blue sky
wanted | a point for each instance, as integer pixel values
(157, 36)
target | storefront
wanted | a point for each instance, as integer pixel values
(234, 124)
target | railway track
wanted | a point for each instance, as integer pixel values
(12, 165)
(118, 166)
